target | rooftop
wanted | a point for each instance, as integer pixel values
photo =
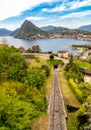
(62, 51)
(85, 71)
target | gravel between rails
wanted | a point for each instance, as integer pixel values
(57, 113)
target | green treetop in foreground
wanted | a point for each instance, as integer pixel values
(22, 95)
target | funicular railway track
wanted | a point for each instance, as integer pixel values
(57, 114)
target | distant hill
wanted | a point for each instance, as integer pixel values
(85, 28)
(47, 28)
(50, 27)
(69, 33)
(15, 32)
(30, 31)
(4, 32)
(60, 30)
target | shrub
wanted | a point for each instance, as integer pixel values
(78, 93)
(51, 56)
(36, 78)
(12, 65)
(46, 69)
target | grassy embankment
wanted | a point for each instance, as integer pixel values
(83, 64)
(70, 99)
(68, 95)
(42, 122)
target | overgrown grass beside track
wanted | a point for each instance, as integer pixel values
(41, 123)
(68, 95)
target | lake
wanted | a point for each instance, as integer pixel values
(53, 45)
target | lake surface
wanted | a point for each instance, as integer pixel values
(53, 45)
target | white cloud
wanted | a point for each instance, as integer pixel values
(10, 8)
(69, 5)
(56, 9)
(77, 15)
(34, 18)
(78, 4)
(12, 26)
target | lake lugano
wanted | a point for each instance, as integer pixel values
(53, 45)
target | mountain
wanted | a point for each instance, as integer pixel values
(50, 27)
(15, 32)
(69, 33)
(30, 31)
(85, 28)
(60, 30)
(47, 28)
(4, 32)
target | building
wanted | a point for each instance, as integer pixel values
(89, 50)
(22, 50)
(87, 75)
(63, 54)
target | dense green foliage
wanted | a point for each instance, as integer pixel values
(46, 70)
(82, 64)
(36, 78)
(72, 122)
(76, 90)
(84, 115)
(19, 105)
(34, 49)
(85, 46)
(22, 95)
(82, 91)
(73, 71)
(54, 61)
(12, 65)
(51, 57)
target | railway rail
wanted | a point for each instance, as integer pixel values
(57, 112)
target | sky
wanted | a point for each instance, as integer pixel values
(66, 13)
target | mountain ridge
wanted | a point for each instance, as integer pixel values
(4, 32)
(85, 28)
(50, 27)
(28, 30)
(15, 32)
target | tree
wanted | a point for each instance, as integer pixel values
(51, 57)
(12, 65)
(17, 69)
(14, 113)
(36, 78)
(46, 69)
(29, 50)
(36, 49)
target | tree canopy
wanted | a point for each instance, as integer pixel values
(22, 97)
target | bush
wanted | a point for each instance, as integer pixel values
(54, 61)
(14, 113)
(20, 103)
(78, 93)
(36, 78)
(51, 57)
(74, 72)
(12, 65)
(46, 69)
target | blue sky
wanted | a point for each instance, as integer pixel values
(67, 13)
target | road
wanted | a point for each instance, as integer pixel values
(57, 113)
(46, 56)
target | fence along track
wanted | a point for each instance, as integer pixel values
(57, 114)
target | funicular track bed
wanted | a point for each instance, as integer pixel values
(57, 114)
